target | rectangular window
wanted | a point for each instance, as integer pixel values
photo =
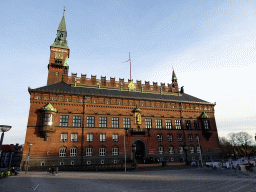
(89, 137)
(103, 121)
(160, 137)
(102, 151)
(158, 123)
(206, 124)
(48, 119)
(74, 137)
(115, 137)
(190, 138)
(62, 152)
(76, 121)
(161, 150)
(181, 150)
(179, 137)
(89, 151)
(73, 152)
(115, 122)
(148, 123)
(114, 151)
(187, 124)
(126, 122)
(64, 120)
(171, 150)
(103, 137)
(197, 138)
(196, 124)
(64, 137)
(169, 137)
(168, 123)
(90, 122)
(177, 124)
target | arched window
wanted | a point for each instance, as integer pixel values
(171, 150)
(102, 151)
(161, 150)
(73, 152)
(89, 151)
(115, 150)
(198, 149)
(63, 152)
(180, 149)
(192, 149)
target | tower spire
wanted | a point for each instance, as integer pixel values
(60, 40)
(174, 78)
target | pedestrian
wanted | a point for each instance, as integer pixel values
(53, 169)
(14, 171)
(144, 160)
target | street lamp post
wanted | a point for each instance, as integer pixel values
(3, 128)
(30, 145)
(186, 152)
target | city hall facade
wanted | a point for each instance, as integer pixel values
(81, 121)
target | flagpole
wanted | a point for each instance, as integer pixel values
(130, 67)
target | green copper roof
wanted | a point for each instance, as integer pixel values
(204, 116)
(137, 109)
(66, 62)
(60, 40)
(62, 25)
(49, 107)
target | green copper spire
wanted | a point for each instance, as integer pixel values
(60, 40)
(49, 107)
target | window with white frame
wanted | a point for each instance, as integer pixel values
(192, 149)
(169, 136)
(179, 137)
(74, 137)
(103, 137)
(61, 163)
(181, 150)
(198, 149)
(148, 123)
(73, 152)
(72, 162)
(115, 122)
(115, 137)
(63, 120)
(76, 121)
(190, 137)
(48, 119)
(197, 138)
(160, 137)
(160, 150)
(178, 124)
(90, 121)
(187, 124)
(102, 161)
(103, 122)
(168, 123)
(63, 152)
(196, 124)
(206, 124)
(64, 137)
(158, 123)
(102, 151)
(89, 151)
(126, 122)
(171, 150)
(115, 150)
(89, 137)
(89, 162)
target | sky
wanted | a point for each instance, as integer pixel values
(210, 45)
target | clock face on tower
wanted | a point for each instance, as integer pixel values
(58, 55)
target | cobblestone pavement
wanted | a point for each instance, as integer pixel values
(187, 180)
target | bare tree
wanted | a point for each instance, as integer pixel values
(243, 138)
(231, 137)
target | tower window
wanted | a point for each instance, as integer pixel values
(57, 73)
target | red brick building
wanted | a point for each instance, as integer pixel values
(80, 120)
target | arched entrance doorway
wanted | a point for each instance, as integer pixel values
(140, 153)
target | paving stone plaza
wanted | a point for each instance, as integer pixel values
(187, 180)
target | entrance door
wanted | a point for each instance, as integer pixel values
(140, 151)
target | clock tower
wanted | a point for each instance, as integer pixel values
(58, 64)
